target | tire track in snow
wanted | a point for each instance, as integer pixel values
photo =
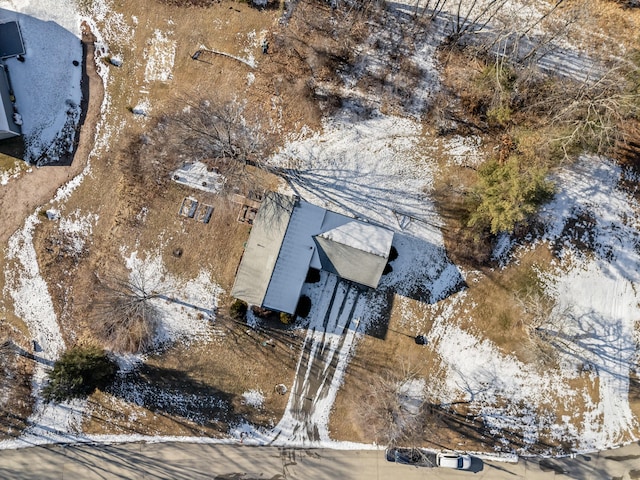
(325, 354)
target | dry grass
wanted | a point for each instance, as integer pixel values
(352, 418)
(120, 189)
(15, 371)
(609, 27)
(236, 360)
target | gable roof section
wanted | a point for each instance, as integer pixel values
(355, 251)
(263, 248)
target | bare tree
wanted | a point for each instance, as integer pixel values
(389, 408)
(429, 9)
(590, 114)
(124, 316)
(474, 16)
(218, 132)
(548, 327)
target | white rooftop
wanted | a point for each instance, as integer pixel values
(363, 236)
(196, 175)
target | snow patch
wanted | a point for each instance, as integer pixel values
(197, 175)
(160, 55)
(186, 308)
(253, 398)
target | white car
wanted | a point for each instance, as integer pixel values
(459, 461)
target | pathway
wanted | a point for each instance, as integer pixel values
(325, 354)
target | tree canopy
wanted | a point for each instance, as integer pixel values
(78, 373)
(508, 194)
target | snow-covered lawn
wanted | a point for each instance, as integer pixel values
(597, 307)
(186, 308)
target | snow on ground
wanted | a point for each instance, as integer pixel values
(411, 394)
(77, 227)
(464, 151)
(47, 83)
(32, 303)
(598, 305)
(367, 168)
(338, 317)
(160, 55)
(187, 308)
(505, 392)
(596, 292)
(196, 175)
(521, 27)
(253, 398)
(13, 172)
(373, 167)
(111, 30)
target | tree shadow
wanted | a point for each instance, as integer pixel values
(173, 394)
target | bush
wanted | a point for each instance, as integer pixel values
(78, 373)
(304, 306)
(499, 115)
(508, 194)
(285, 318)
(238, 309)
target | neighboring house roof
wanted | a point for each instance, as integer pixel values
(8, 127)
(313, 237)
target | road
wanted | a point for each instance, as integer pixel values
(193, 461)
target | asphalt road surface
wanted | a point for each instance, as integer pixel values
(192, 461)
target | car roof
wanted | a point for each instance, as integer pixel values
(449, 460)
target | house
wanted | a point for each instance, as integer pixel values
(8, 126)
(11, 45)
(289, 236)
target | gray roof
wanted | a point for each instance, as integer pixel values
(289, 236)
(8, 127)
(263, 248)
(295, 257)
(355, 251)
